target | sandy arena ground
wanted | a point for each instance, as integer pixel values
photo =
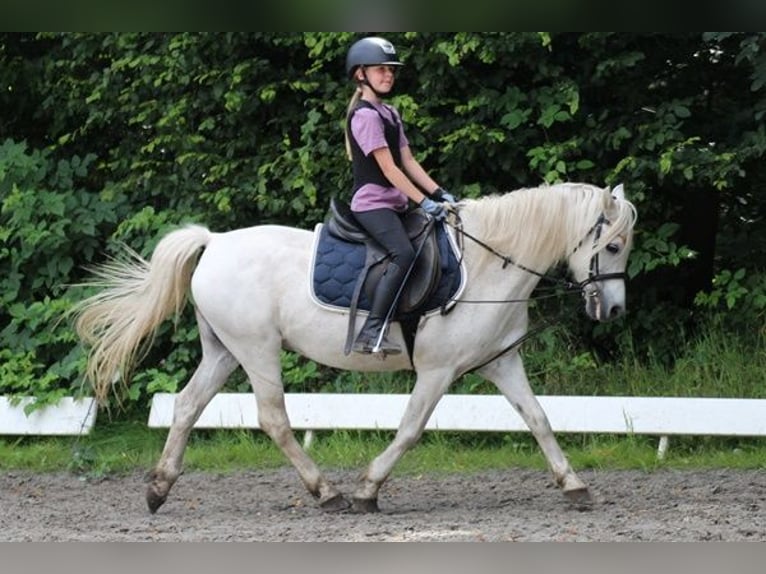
(508, 505)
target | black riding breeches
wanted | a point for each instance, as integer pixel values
(387, 228)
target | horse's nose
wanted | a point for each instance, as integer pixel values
(616, 311)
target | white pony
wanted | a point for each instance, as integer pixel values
(251, 296)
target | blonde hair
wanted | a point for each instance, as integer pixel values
(351, 105)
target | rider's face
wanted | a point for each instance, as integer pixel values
(380, 77)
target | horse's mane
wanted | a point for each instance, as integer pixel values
(540, 226)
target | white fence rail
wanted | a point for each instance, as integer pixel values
(661, 416)
(67, 417)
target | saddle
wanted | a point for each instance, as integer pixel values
(425, 273)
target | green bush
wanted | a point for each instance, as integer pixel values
(48, 228)
(118, 137)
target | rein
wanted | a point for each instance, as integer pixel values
(570, 286)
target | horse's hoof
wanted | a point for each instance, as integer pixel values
(337, 503)
(365, 505)
(154, 500)
(580, 498)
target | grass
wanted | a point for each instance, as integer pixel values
(125, 447)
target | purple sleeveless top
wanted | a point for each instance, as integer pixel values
(368, 131)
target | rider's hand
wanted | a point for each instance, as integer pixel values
(434, 209)
(441, 194)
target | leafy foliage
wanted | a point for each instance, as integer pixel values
(117, 137)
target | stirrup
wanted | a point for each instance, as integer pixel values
(374, 346)
(362, 346)
(387, 348)
(384, 346)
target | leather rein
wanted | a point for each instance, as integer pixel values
(571, 286)
(593, 269)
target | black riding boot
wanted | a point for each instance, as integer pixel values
(383, 298)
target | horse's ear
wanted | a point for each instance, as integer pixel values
(619, 192)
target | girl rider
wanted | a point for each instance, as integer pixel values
(386, 176)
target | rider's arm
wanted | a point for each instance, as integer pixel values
(396, 176)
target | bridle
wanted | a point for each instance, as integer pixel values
(594, 273)
(593, 268)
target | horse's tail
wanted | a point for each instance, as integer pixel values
(136, 296)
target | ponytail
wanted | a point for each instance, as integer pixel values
(351, 105)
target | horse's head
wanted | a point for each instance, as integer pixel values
(599, 261)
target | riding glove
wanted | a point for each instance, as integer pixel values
(434, 209)
(443, 195)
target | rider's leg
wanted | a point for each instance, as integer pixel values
(386, 227)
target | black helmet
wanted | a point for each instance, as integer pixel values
(371, 52)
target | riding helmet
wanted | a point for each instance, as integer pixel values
(372, 51)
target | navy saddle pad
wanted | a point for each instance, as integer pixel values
(338, 263)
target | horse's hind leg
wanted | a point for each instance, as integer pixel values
(216, 366)
(266, 381)
(509, 376)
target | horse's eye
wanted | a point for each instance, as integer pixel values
(613, 248)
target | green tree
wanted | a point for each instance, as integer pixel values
(116, 137)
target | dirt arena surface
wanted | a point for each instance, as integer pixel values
(271, 505)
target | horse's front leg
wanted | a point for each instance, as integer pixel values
(509, 376)
(429, 388)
